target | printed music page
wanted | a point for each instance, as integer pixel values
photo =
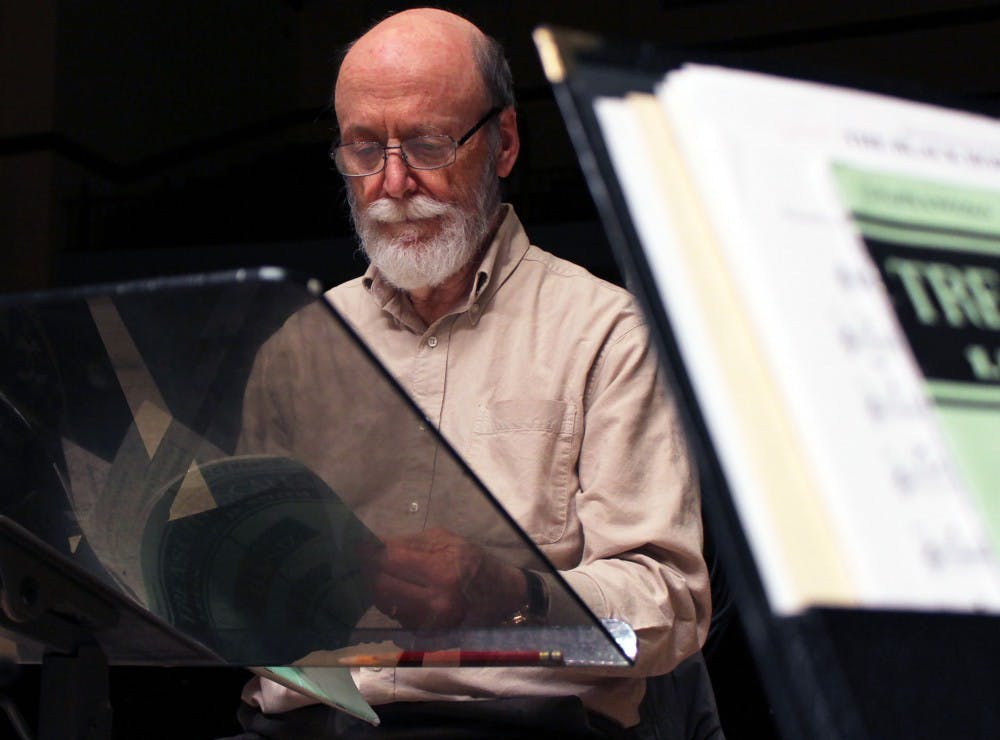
(855, 484)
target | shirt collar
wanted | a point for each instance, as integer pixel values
(507, 247)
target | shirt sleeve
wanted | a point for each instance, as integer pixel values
(639, 507)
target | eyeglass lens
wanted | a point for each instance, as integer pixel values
(421, 152)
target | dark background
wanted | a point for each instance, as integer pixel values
(171, 136)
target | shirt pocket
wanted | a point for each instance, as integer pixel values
(527, 450)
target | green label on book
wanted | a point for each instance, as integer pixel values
(937, 247)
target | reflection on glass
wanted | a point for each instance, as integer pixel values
(226, 453)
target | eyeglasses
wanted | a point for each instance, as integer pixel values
(429, 152)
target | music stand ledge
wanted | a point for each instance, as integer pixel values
(81, 624)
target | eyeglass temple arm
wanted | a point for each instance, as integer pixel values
(479, 124)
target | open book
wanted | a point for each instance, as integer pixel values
(829, 261)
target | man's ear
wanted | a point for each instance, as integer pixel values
(510, 142)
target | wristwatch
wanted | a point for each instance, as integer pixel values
(535, 609)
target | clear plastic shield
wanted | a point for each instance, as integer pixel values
(225, 453)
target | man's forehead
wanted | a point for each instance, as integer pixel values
(381, 99)
(405, 106)
(391, 76)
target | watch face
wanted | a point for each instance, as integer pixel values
(538, 599)
(535, 609)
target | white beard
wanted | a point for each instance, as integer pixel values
(408, 261)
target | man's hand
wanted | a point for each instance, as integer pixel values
(435, 579)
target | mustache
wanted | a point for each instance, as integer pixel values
(419, 207)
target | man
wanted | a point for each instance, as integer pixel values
(539, 374)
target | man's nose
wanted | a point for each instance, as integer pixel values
(397, 179)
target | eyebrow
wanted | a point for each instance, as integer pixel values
(357, 134)
(424, 129)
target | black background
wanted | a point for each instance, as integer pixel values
(167, 137)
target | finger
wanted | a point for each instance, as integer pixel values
(444, 566)
(396, 596)
(415, 606)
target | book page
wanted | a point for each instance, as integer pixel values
(893, 502)
(754, 440)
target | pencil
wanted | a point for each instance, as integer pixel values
(456, 658)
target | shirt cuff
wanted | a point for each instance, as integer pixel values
(563, 608)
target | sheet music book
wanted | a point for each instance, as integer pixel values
(829, 260)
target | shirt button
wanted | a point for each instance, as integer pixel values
(432, 342)
(475, 308)
(414, 507)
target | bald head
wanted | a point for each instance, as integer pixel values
(429, 24)
(424, 45)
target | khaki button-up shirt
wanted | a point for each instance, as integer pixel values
(545, 383)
